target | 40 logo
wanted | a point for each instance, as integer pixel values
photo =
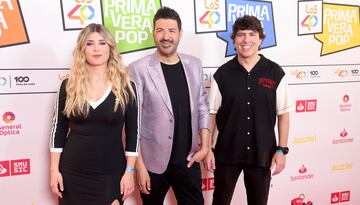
(82, 11)
(211, 16)
(300, 74)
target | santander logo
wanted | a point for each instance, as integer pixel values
(343, 138)
(303, 174)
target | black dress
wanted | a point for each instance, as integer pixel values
(93, 158)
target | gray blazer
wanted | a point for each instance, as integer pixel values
(156, 115)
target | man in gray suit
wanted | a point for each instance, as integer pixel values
(174, 117)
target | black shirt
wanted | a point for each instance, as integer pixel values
(247, 112)
(179, 95)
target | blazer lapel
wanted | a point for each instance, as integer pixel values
(187, 67)
(157, 76)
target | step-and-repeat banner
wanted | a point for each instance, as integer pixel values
(316, 42)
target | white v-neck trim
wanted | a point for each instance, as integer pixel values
(94, 104)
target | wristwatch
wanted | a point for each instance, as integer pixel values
(282, 150)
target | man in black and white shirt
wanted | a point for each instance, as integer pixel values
(247, 95)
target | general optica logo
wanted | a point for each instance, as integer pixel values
(77, 14)
(8, 117)
(12, 26)
(14, 167)
(309, 17)
(131, 23)
(303, 174)
(208, 184)
(262, 10)
(340, 197)
(210, 16)
(9, 128)
(345, 105)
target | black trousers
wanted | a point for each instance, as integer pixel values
(256, 179)
(185, 182)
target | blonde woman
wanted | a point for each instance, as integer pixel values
(89, 163)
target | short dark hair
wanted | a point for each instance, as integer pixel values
(247, 22)
(167, 13)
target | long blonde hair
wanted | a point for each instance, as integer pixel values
(77, 86)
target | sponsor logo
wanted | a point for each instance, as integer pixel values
(3, 81)
(306, 105)
(309, 17)
(303, 175)
(208, 184)
(314, 74)
(9, 128)
(340, 197)
(12, 26)
(343, 138)
(4, 168)
(299, 74)
(300, 200)
(79, 13)
(341, 73)
(340, 28)
(210, 15)
(63, 76)
(355, 72)
(304, 140)
(342, 166)
(131, 23)
(23, 80)
(14, 167)
(345, 106)
(219, 16)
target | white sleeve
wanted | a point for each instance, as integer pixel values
(284, 101)
(214, 97)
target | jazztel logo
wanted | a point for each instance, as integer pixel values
(208, 184)
(340, 197)
(14, 167)
(342, 166)
(304, 140)
(306, 105)
(303, 175)
(343, 138)
(346, 105)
